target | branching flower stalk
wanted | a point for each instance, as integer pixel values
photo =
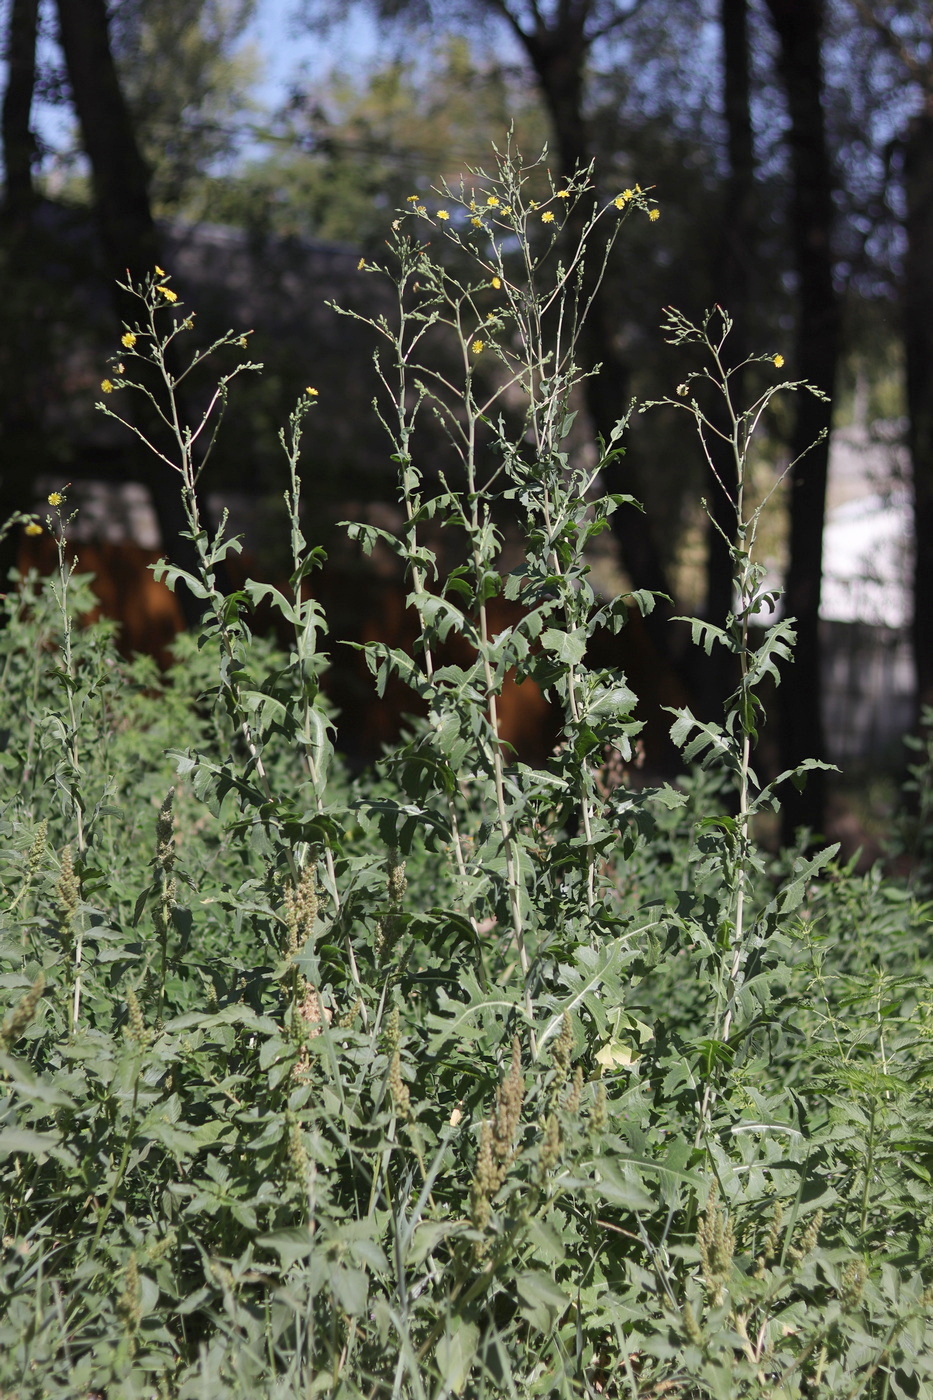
(146, 342)
(732, 744)
(530, 336)
(72, 751)
(406, 398)
(306, 619)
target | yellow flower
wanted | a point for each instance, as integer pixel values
(654, 215)
(779, 361)
(477, 223)
(496, 282)
(493, 201)
(33, 529)
(106, 388)
(160, 271)
(443, 214)
(563, 194)
(168, 293)
(478, 347)
(412, 198)
(622, 199)
(242, 342)
(547, 218)
(361, 264)
(311, 393)
(129, 340)
(56, 498)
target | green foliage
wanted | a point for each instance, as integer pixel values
(185, 73)
(465, 1077)
(336, 165)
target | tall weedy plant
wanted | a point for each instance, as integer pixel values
(477, 1078)
(738, 942)
(490, 306)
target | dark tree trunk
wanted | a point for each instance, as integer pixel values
(19, 362)
(799, 28)
(19, 144)
(128, 233)
(118, 173)
(918, 331)
(731, 288)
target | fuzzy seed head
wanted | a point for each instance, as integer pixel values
(395, 878)
(165, 834)
(716, 1241)
(691, 1326)
(391, 1034)
(563, 1049)
(136, 1025)
(37, 850)
(575, 1092)
(551, 1143)
(22, 1013)
(69, 891)
(853, 1283)
(401, 1098)
(129, 1304)
(301, 906)
(348, 1017)
(599, 1118)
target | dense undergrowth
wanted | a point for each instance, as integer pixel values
(461, 1077)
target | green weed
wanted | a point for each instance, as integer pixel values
(464, 1077)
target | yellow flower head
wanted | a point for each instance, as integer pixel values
(563, 194)
(547, 217)
(129, 340)
(311, 393)
(56, 498)
(168, 293)
(493, 201)
(106, 387)
(420, 209)
(412, 198)
(496, 282)
(160, 271)
(477, 223)
(478, 347)
(779, 361)
(33, 529)
(622, 199)
(654, 215)
(443, 214)
(361, 264)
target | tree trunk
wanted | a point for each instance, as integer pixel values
(19, 144)
(918, 334)
(731, 288)
(19, 272)
(558, 58)
(799, 28)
